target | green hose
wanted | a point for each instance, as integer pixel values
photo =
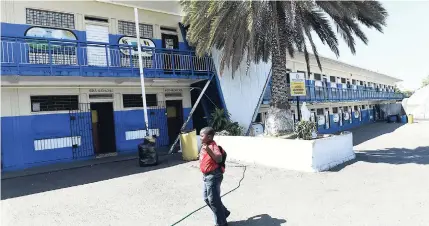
(239, 184)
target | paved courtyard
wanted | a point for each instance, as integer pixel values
(386, 185)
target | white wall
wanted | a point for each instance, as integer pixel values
(16, 101)
(301, 155)
(15, 12)
(242, 93)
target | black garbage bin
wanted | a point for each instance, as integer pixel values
(147, 152)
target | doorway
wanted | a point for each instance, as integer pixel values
(174, 118)
(97, 32)
(171, 61)
(170, 41)
(103, 128)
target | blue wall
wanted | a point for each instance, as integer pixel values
(335, 127)
(19, 132)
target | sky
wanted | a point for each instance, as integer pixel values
(401, 51)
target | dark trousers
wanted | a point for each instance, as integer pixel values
(212, 197)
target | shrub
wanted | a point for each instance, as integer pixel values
(220, 122)
(304, 129)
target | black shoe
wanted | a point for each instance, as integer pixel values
(227, 214)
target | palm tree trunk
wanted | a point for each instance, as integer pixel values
(279, 118)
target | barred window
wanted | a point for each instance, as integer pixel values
(317, 77)
(49, 18)
(136, 100)
(54, 103)
(129, 28)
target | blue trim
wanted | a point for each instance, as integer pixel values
(14, 38)
(19, 132)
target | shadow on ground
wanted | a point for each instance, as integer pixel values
(259, 220)
(22, 186)
(396, 156)
(371, 131)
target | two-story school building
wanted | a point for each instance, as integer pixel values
(340, 97)
(70, 86)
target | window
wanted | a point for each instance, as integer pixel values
(49, 19)
(332, 78)
(305, 73)
(346, 108)
(54, 103)
(258, 118)
(136, 100)
(319, 111)
(317, 77)
(335, 110)
(343, 80)
(363, 107)
(356, 108)
(353, 82)
(129, 28)
(361, 83)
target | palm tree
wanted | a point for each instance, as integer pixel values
(270, 30)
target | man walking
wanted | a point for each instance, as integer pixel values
(210, 159)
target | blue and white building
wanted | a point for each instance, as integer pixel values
(70, 86)
(341, 96)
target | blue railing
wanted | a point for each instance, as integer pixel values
(329, 94)
(33, 56)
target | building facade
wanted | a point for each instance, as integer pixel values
(71, 86)
(340, 97)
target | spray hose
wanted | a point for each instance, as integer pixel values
(202, 207)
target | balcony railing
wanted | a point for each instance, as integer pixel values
(31, 56)
(328, 94)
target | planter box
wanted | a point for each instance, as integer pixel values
(301, 155)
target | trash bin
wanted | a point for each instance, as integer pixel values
(404, 119)
(147, 152)
(410, 118)
(189, 145)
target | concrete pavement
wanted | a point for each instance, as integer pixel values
(386, 185)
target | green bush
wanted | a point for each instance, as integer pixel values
(304, 129)
(220, 122)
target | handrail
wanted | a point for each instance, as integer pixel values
(24, 38)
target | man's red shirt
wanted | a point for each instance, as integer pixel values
(207, 164)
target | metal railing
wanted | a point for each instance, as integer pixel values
(25, 52)
(328, 94)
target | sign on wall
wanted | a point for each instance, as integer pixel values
(44, 32)
(321, 120)
(346, 116)
(357, 114)
(132, 41)
(336, 118)
(297, 84)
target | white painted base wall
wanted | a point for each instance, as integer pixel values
(301, 155)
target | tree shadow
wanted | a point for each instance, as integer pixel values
(27, 185)
(259, 220)
(371, 131)
(396, 156)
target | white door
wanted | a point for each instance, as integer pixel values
(96, 55)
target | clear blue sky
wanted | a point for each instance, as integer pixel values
(402, 51)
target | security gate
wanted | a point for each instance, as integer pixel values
(81, 131)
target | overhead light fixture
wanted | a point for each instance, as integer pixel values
(164, 80)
